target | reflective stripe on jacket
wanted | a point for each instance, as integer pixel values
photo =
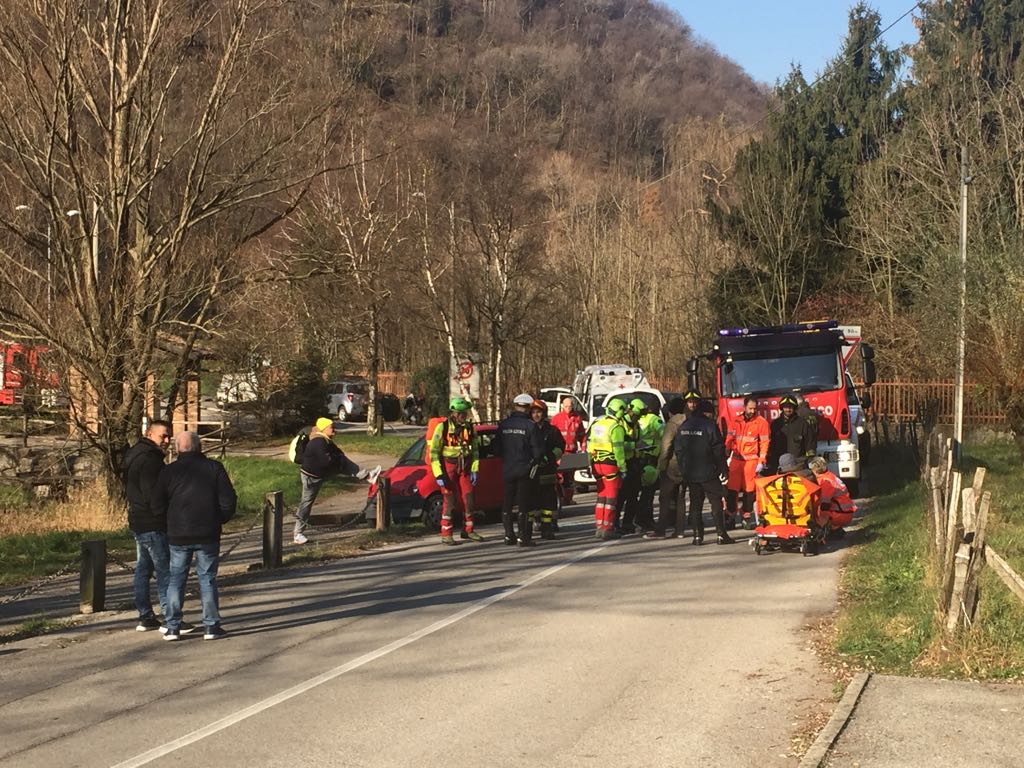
(749, 438)
(454, 442)
(606, 442)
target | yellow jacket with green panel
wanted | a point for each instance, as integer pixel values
(452, 441)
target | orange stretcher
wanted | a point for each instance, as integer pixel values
(789, 508)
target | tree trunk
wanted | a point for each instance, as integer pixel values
(374, 372)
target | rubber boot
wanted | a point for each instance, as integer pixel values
(546, 532)
(510, 534)
(525, 530)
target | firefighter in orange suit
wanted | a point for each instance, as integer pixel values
(747, 445)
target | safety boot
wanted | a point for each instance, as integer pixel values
(546, 531)
(448, 540)
(472, 536)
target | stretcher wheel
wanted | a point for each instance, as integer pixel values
(808, 548)
(758, 548)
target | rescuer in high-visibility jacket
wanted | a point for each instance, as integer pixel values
(837, 505)
(606, 446)
(649, 428)
(747, 447)
(547, 475)
(454, 462)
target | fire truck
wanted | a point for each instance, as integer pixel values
(20, 369)
(808, 359)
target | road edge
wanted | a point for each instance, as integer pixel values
(816, 755)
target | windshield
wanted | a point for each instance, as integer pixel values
(799, 371)
(651, 400)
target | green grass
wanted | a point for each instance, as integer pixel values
(29, 557)
(888, 616)
(352, 441)
(14, 497)
(34, 627)
(254, 477)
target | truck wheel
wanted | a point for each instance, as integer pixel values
(864, 446)
(432, 509)
(853, 486)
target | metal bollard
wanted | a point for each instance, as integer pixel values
(92, 582)
(273, 514)
(383, 503)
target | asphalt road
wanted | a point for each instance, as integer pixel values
(575, 653)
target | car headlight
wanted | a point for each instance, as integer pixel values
(860, 429)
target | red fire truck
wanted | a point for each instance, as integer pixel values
(808, 359)
(20, 368)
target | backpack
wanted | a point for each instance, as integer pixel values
(432, 426)
(297, 447)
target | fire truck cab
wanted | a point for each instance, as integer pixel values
(796, 359)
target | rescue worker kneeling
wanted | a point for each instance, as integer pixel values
(454, 462)
(547, 474)
(606, 446)
(837, 507)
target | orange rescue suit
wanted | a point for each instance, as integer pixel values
(747, 443)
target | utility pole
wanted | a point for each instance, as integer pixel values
(961, 341)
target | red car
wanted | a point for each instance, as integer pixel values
(414, 492)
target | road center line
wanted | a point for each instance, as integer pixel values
(331, 674)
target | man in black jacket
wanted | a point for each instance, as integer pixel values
(321, 459)
(520, 444)
(142, 465)
(791, 433)
(195, 496)
(700, 451)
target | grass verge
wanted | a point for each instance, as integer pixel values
(353, 546)
(35, 627)
(887, 619)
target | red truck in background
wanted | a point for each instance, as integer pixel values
(807, 359)
(21, 367)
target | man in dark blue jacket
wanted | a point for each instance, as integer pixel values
(520, 444)
(195, 496)
(700, 451)
(321, 459)
(142, 465)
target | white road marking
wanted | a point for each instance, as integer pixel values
(331, 674)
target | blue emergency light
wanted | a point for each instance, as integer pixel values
(822, 325)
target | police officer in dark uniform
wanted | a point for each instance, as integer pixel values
(520, 444)
(700, 451)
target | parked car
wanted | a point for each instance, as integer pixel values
(346, 399)
(414, 492)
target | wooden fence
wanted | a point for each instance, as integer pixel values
(936, 399)
(957, 523)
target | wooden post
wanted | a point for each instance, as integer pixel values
(961, 564)
(383, 503)
(1010, 578)
(92, 581)
(952, 548)
(273, 514)
(977, 559)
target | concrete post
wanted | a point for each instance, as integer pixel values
(273, 514)
(92, 582)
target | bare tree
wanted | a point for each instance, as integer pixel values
(152, 140)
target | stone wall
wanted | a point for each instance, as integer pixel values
(47, 471)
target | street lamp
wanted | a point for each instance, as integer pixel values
(49, 261)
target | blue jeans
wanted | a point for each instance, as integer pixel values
(151, 557)
(207, 558)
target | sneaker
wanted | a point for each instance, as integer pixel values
(184, 628)
(726, 539)
(510, 541)
(448, 540)
(654, 535)
(216, 632)
(300, 539)
(172, 634)
(472, 536)
(527, 543)
(697, 541)
(362, 474)
(374, 473)
(147, 625)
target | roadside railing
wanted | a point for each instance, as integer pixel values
(958, 516)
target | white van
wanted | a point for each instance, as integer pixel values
(595, 382)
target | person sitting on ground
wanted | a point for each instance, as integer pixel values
(837, 506)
